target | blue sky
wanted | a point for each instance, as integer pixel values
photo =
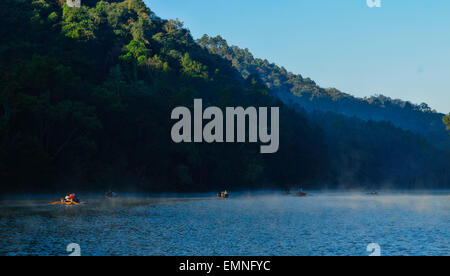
(401, 50)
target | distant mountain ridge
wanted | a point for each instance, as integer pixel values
(296, 90)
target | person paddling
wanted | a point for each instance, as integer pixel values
(74, 198)
(71, 198)
(68, 200)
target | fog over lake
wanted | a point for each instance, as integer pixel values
(325, 223)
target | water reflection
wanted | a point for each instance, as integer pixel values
(324, 224)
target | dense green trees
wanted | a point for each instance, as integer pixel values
(295, 89)
(86, 96)
(446, 120)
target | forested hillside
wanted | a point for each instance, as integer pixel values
(447, 121)
(86, 96)
(297, 90)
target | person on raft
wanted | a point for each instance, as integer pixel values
(72, 198)
(110, 194)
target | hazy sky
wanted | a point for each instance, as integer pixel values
(401, 50)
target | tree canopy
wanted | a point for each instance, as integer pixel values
(86, 96)
(446, 120)
(294, 89)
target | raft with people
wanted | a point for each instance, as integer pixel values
(223, 195)
(68, 200)
(111, 194)
(300, 193)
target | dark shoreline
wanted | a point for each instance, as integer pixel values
(208, 195)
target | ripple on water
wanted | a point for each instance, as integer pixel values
(325, 224)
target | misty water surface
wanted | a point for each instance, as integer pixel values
(323, 224)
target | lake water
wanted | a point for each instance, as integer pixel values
(271, 224)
